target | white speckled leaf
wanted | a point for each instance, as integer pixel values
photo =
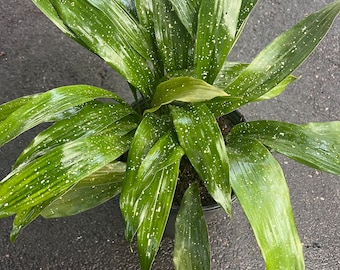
(43, 107)
(260, 187)
(202, 141)
(279, 59)
(51, 175)
(192, 247)
(316, 145)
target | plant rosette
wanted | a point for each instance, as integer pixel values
(173, 54)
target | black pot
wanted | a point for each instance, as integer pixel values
(210, 210)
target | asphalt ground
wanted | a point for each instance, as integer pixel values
(35, 56)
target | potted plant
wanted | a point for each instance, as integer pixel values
(173, 53)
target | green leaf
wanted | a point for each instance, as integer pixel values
(42, 108)
(112, 33)
(145, 12)
(92, 118)
(126, 26)
(174, 42)
(46, 6)
(316, 145)
(246, 8)
(89, 192)
(202, 141)
(231, 70)
(279, 59)
(184, 89)
(149, 131)
(187, 12)
(51, 175)
(9, 107)
(192, 247)
(153, 195)
(278, 89)
(216, 30)
(24, 218)
(130, 5)
(258, 182)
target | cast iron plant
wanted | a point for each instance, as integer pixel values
(173, 54)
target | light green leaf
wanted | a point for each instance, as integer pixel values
(184, 89)
(279, 59)
(216, 30)
(24, 218)
(278, 89)
(89, 192)
(149, 131)
(187, 12)
(51, 175)
(9, 107)
(231, 70)
(202, 141)
(42, 108)
(316, 145)
(192, 247)
(258, 182)
(92, 118)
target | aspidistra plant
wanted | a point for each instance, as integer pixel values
(173, 54)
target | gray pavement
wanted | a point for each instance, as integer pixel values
(35, 56)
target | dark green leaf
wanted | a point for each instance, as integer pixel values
(89, 192)
(125, 26)
(229, 72)
(122, 126)
(130, 6)
(147, 203)
(316, 145)
(279, 59)
(110, 32)
(51, 175)
(192, 247)
(44, 107)
(202, 141)
(173, 40)
(184, 89)
(216, 30)
(187, 12)
(259, 184)
(149, 131)
(246, 8)
(156, 179)
(145, 14)
(48, 9)
(92, 118)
